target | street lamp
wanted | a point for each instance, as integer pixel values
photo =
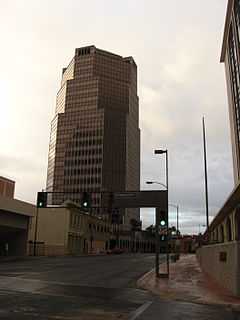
(164, 152)
(156, 182)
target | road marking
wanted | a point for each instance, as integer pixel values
(146, 275)
(140, 310)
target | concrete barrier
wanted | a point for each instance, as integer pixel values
(221, 262)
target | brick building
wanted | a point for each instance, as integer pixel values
(7, 187)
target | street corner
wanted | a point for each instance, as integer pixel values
(157, 286)
(188, 283)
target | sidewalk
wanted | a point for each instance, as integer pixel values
(187, 283)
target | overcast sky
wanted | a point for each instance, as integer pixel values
(176, 45)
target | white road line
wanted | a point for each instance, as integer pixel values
(140, 310)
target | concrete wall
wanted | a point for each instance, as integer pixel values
(225, 273)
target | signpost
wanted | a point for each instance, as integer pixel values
(141, 199)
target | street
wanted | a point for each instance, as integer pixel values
(89, 288)
(73, 287)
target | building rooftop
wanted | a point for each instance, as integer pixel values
(104, 52)
(6, 179)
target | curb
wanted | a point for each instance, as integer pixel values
(146, 275)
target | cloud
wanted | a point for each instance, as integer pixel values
(176, 45)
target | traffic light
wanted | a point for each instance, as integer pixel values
(163, 219)
(86, 200)
(42, 200)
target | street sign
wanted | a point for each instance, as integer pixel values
(140, 199)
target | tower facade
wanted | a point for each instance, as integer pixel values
(95, 135)
(230, 55)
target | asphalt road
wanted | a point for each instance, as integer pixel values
(73, 287)
(90, 288)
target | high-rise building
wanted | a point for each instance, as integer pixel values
(95, 135)
(230, 55)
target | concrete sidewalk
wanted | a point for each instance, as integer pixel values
(175, 310)
(188, 283)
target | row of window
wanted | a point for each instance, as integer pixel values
(83, 152)
(82, 171)
(85, 142)
(81, 162)
(98, 228)
(89, 180)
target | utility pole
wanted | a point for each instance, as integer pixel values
(205, 170)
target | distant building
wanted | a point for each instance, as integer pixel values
(95, 135)
(230, 55)
(7, 187)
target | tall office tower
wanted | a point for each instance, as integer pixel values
(230, 55)
(95, 135)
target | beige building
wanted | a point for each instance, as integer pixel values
(220, 254)
(68, 231)
(230, 55)
(71, 231)
(62, 231)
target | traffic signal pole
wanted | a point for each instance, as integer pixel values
(35, 234)
(157, 241)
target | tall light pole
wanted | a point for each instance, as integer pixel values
(159, 151)
(205, 171)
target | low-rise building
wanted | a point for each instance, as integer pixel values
(70, 230)
(15, 219)
(7, 187)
